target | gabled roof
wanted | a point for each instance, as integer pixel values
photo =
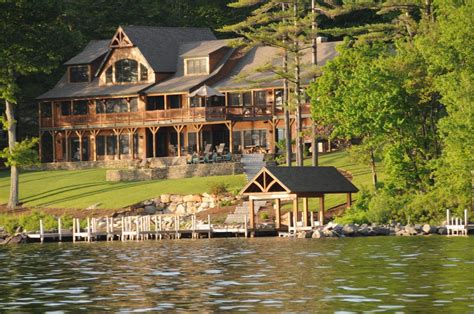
(160, 45)
(262, 55)
(202, 48)
(63, 90)
(93, 50)
(181, 83)
(299, 180)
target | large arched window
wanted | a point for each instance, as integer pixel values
(126, 71)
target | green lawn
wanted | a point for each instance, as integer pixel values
(82, 188)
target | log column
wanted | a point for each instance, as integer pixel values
(198, 128)
(154, 130)
(80, 135)
(178, 129)
(117, 133)
(305, 211)
(349, 200)
(321, 211)
(230, 127)
(94, 134)
(131, 134)
(66, 138)
(53, 136)
(278, 213)
(295, 211)
(251, 214)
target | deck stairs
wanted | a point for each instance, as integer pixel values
(241, 211)
(252, 163)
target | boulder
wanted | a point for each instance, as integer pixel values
(16, 239)
(204, 205)
(165, 198)
(349, 230)
(180, 209)
(175, 198)
(442, 230)
(428, 229)
(364, 230)
(150, 209)
(382, 230)
(317, 234)
(148, 203)
(411, 230)
(188, 198)
(172, 207)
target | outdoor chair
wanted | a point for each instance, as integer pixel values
(227, 157)
(220, 148)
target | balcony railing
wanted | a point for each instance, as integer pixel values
(175, 115)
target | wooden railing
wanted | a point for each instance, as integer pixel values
(175, 115)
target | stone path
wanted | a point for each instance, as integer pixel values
(252, 163)
(240, 211)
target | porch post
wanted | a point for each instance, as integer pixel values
(321, 210)
(231, 140)
(40, 145)
(178, 129)
(53, 135)
(153, 131)
(117, 133)
(295, 211)
(305, 211)
(94, 134)
(251, 214)
(67, 144)
(349, 200)
(277, 213)
(79, 135)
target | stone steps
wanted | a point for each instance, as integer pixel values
(240, 211)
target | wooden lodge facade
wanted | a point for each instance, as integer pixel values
(128, 98)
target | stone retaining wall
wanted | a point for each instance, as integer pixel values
(175, 172)
(110, 164)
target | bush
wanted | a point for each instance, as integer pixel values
(225, 203)
(218, 188)
(31, 222)
(9, 223)
(264, 216)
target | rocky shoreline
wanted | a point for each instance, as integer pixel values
(334, 230)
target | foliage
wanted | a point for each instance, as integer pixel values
(31, 222)
(23, 154)
(224, 203)
(264, 216)
(218, 188)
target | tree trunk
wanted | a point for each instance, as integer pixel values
(374, 172)
(314, 61)
(299, 138)
(286, 109)
(13, 200)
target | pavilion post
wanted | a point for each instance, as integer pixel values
(349, 200)
(321, 211)
(305, 211)
(278, 213)
(295, 211)
(252, 215)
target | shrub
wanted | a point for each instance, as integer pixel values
(225, 203)
(218, 188)
(264, 216)
(9, 223)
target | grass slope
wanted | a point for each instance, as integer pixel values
(82, 188)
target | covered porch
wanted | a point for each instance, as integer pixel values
(295, 184)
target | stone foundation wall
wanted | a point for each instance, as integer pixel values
(175, 172)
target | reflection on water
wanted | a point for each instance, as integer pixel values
(362, 274)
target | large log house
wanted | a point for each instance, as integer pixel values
(127, 98)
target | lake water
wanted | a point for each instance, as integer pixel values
(264, 274)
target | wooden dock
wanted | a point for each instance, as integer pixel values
(137, 228)
(457, 226)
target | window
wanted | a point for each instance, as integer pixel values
(111, 144)
(100, 142)
(155, 103)
(79, 107)
(124, 144)
(126, 71)
(279, 98)
(255, 138)
(79, 74)
(46, 110)
(240, 99)
(109, 75)
(261, 99)
(174, 101)
(100, 106)
(143, 73)
(133, 104)
(196, 66)
(216, 101)
(65, 108)
(237, 141)
(116, 105)
(195, 101)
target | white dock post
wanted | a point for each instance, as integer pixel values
(60, 233)
(73, 230)
(245, 226)
(161, 227)
(176, 226)
(123, 226)
(41, 231)
(88, 229)
(155, 219)
(209, 223)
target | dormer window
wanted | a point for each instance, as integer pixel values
(196, 66)
(79, 74)
(126, 71)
